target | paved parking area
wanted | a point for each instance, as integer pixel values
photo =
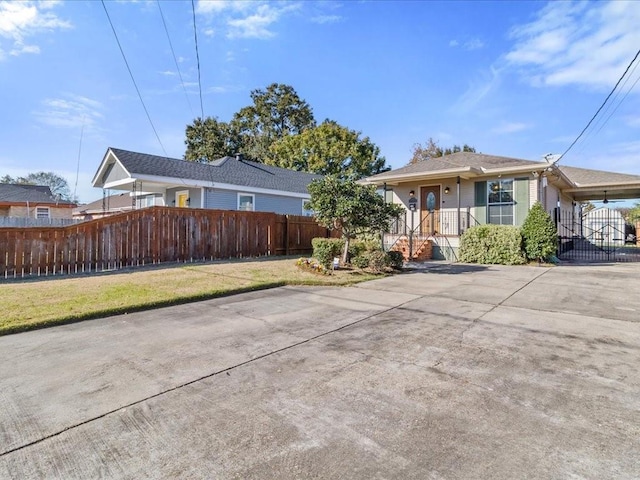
(446, 372)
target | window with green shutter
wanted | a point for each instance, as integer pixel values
(481, 202)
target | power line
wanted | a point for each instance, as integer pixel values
(174, 58)
(601, 106)
(75, 186)
(195, 35)
(133, 79)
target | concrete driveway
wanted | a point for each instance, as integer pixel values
(447, 372)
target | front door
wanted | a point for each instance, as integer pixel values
(430, 209)
(182, 199)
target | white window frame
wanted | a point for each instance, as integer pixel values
(501, 204)
(38, 210)
(253, 201)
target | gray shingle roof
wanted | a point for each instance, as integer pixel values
(585, 176)
(19, 193)
(459, 160)
(225, 170)
(121, 201)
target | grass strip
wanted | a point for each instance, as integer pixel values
(34, 304)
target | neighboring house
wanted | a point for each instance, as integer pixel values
(24, 205)
(229, 183)
(464, 189)
(108, 205)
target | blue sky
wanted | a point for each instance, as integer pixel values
(518, 79)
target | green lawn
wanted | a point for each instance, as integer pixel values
(40, 303)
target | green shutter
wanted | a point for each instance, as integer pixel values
(521, 194)
(481, 202)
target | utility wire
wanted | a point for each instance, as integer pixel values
(601, 106)
(622, 99)
(133, 79)
(75, 186)
(175, 60)
(195, 35)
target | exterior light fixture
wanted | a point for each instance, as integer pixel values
(446, 190)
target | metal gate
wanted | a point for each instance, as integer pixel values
(598, 235)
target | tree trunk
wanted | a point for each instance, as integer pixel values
(345, 253)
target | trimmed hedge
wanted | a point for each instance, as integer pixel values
(492, 244)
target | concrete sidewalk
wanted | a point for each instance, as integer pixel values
(451, 371)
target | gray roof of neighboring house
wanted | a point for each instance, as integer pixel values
(584, 176)
(20, 193)
(225, 170)
(118, 202)
(459, 160)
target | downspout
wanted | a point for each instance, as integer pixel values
(458, 195)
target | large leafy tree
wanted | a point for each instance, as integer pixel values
(349, 207)
(431, 149)
(329, 149)
(210, 139)
(58, 185)
(275, 113)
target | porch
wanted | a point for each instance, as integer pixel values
(433, 235)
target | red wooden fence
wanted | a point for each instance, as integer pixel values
(153, 235)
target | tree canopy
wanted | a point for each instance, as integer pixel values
(329, 149)
(58, 185)
(275, 113)
(431, 149)
(278, 128)
(349, 207)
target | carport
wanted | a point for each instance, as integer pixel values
(601, 234)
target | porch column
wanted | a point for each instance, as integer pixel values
(458, 195)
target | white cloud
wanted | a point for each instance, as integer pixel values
(70, 111)
(21, 20)
(471, 44)
(479, 88)
(243, 19)
(218, 6)
(586, 43)
(511, 127)
(323, 19)
(169, 73)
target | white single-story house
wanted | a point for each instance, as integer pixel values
(457, 191)
(229, 183)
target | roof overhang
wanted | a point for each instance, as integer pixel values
(462, 172)
(597, 192)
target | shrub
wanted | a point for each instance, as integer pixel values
(360, 261)
(539, 234)
(326, 249)
(378, 261)
(493, 244)
(396, 259)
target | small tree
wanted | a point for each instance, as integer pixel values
(539, 234)
(351, 208)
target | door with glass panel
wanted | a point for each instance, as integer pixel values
(430, 210)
